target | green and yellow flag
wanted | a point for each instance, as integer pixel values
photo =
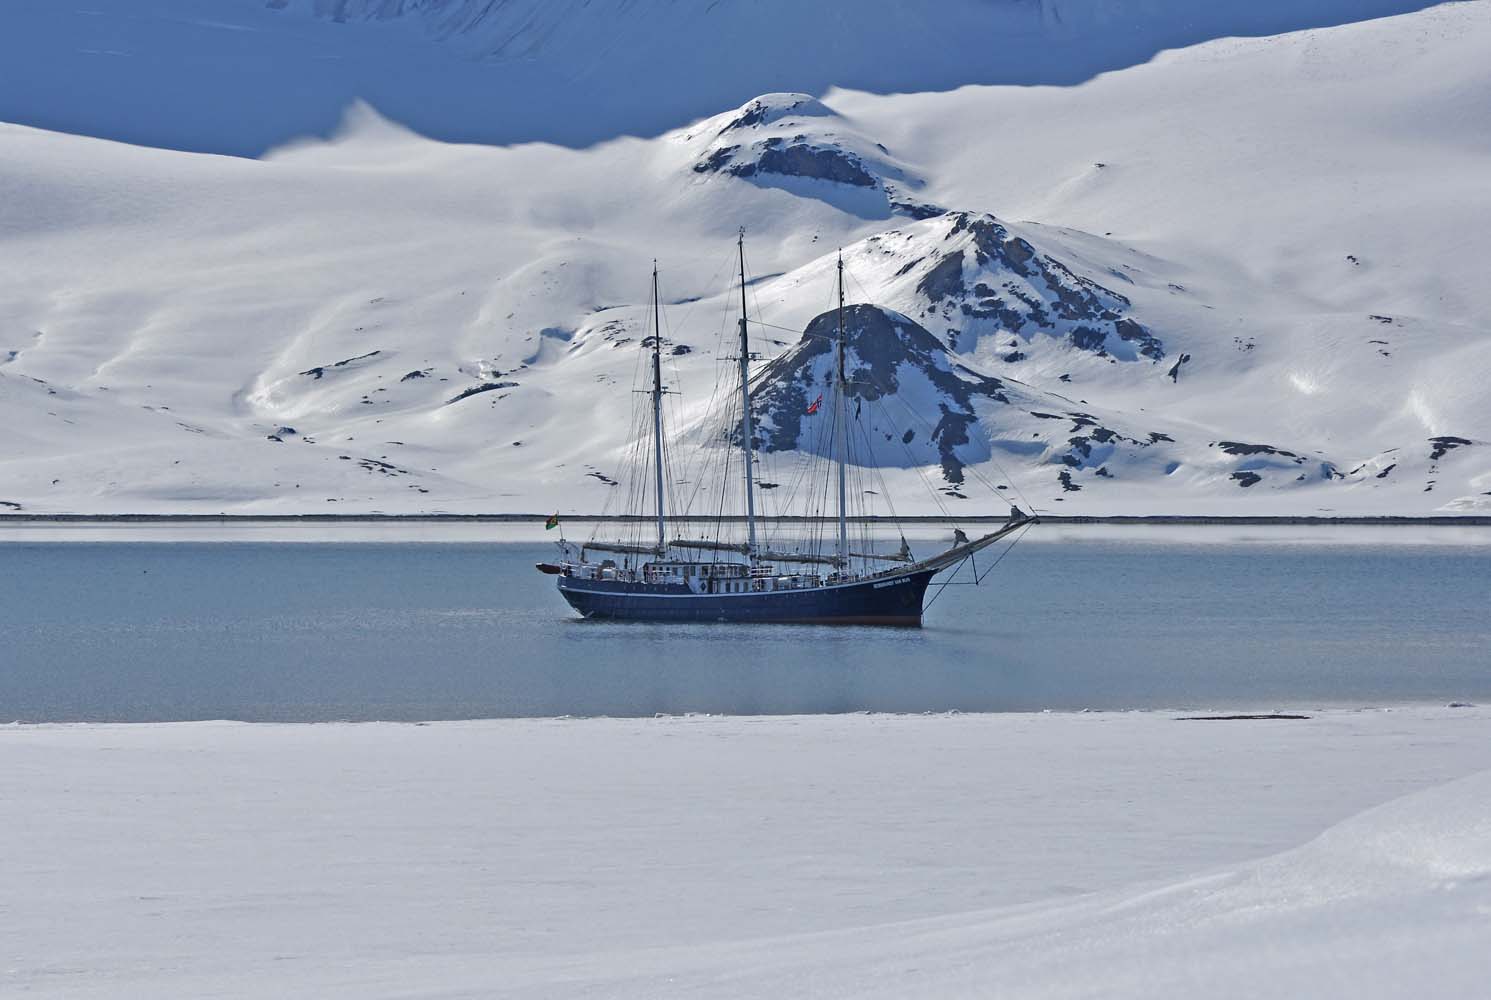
(552, 522)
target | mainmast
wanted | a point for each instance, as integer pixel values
(747, 449)
(840, 429)
(657, 408)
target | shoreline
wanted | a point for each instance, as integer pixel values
(1385, 520)
(1313, 710)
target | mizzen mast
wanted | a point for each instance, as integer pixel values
(840, 429)
(747, 447)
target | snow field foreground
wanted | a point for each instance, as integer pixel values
(1031, 855)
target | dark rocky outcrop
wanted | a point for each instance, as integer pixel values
(1444, 444)
(480, 388)
(882, 348)
(1240, 448)
(320, 370)
(987, 278)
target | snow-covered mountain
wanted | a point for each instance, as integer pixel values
(914, 405)
(244, 76)
(792, 140)
(1253, 282)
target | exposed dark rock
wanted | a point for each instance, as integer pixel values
(817, 162)
(944, 280)
(483, 387)
(716, 161)
(320, 371)
(1174, 371)
(1080, 450)
(1246, 479)
(951, 431)
(765, 109)
(1148, 344)
(1051, 296)
(916, 210)
(1087, 339)
(1239, 448)
(386, 468)
(880, 344)
(1445, 444)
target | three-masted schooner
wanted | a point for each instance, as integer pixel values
(719, 579)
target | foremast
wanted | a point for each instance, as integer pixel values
(748, 450)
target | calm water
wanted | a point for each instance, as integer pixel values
(364, 630)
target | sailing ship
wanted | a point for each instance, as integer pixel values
(764, 576)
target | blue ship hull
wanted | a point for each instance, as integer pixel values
(885, 600)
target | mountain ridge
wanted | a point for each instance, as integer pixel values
(245, 76)
(384, 322)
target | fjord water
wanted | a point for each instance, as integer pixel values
(257, 630)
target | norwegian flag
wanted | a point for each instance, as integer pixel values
(816, 403)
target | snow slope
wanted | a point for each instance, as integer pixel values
(244, 76)
(1280, 240)
(1032, 855)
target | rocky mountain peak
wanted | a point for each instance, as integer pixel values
(971, 276)
(796, 142)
